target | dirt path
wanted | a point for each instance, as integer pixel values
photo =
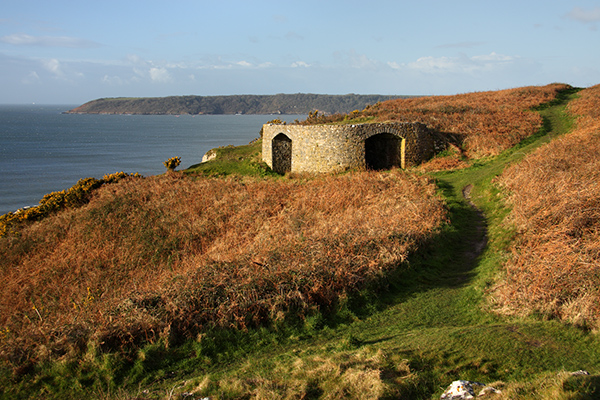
(480, 240)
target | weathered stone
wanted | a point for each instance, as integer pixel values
(335, 148)
(209, 155)
(488, 390)
(580, 372)
(460, 390)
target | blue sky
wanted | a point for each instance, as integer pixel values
(70, 52)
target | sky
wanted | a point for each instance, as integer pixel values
(74, 51)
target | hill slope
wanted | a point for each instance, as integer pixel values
(555, 193)
(480, 124)
(299, 103)
(412, 315)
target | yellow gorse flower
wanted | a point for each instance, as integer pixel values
(75, 196)
(172, 163)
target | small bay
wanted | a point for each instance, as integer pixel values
(43, 150)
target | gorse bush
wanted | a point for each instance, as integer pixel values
(117, 176)
(164, 257)
(172, 163)
(75, 196)
(555, 195)
(78, 194)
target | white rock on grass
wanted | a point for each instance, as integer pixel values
(459, 390)
(210, 155)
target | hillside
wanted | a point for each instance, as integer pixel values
(227, 281)
(477, 124)
(299, 103)
(555, 193)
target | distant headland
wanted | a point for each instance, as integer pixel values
(299, 103)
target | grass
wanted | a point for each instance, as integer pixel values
(554, 266)
(431, 326)
(481, 124)
(234, 160)
(152, 262)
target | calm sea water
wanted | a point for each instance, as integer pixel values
(43, 150)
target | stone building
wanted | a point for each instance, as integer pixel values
(335, 148)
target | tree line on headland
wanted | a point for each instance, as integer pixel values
(299, 103)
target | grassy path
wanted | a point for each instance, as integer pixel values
(432, 327)
(439, 316)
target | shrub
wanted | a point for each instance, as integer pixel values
(75, 196)
(172, 163)
(139, 263)
(482, 123)
(117, 176)
(555, 195)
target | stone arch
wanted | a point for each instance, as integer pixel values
(335, 148)
(281, 152)
(384, 150)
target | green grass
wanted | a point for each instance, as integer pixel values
(431, 326)
(234, 160)
(434, 317)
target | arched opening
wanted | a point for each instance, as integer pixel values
(282, 153)
(384, 151)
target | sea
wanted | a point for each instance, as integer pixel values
(43, 150)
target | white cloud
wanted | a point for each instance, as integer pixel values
(243, 64)
(31, 78)
(139, 72)
(493, 57)
(434, 64)
(585, 16)
(113, 80)
(135, 59)
(180, 65)
(144, 69)
(300, 64)
(22, 39)
(160, 75)
(63, 71)
(53, 65)
(458, 64)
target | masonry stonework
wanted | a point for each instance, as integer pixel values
(336, 148)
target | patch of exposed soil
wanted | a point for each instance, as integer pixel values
(480, 239)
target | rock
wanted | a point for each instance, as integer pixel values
(488, 390)
(459, 390)
(210, 155)
(580, 372)
(464, 390)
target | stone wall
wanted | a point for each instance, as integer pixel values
(335, 148)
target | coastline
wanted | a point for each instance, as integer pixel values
(278, 104)
(45, 151)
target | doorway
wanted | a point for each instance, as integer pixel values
(384, 151)
(282, 154)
